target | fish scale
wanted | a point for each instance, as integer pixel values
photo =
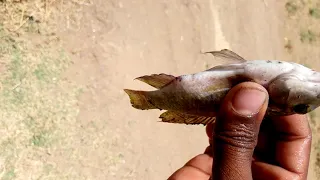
(196, 98)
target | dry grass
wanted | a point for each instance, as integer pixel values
(36, 102)
(20, 16)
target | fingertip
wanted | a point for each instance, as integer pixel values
(202, 162)
(198, 167)
(209, 130)
(246, 100)
(244, 105)
(188, 173)
(209, 151)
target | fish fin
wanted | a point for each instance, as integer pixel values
(228, 55)
(181, 118)
(157, 80)
(230, 67)
(139, 99)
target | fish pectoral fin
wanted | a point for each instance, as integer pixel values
(181, 118)
(228, 55)
(157, 80)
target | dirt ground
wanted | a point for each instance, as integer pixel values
(64, 112)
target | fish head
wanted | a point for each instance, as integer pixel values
(304, 98)
(295, 93)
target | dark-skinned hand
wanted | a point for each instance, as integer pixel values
(246, 146)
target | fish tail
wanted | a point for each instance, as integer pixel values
(139, 99)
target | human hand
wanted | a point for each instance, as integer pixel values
(244, 147)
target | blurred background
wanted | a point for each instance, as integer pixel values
(64, 65)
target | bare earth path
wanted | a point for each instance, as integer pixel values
(118, 41)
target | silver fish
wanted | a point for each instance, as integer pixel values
(195, 98)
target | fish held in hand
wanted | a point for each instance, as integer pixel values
(195, 98)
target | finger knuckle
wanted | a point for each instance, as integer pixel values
(240, 136)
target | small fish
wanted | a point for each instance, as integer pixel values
(195, 98)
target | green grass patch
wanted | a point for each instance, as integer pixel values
(291, 7)
(9, 175)
(308, 36)
(314, 12)
(40, 140)
(35, 102)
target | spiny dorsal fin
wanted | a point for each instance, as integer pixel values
(179, 118)
(157, 80)
(228, 55)
(231, 67)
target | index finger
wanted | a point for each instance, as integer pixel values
(294, 144)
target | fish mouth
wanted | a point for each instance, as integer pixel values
(313, 107)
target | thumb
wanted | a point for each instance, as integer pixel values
(236, 131)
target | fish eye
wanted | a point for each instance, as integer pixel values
(301, 108)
